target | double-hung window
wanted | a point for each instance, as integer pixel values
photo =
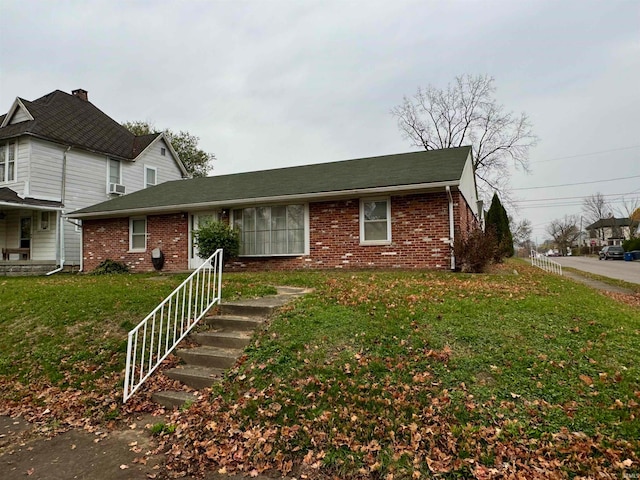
(115, 173)
(150, 176)
(8, 162)
(375, 221)
(138, 234)
(271, 230)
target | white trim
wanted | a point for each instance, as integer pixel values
(363, 240)
(306, 231)
(131, 220)
(16, 103)
(155, 171)
(280, 199)
(119, 182)
(5, 144)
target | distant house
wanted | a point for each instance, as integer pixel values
(393, 211)
(60, 153)
(611, 231)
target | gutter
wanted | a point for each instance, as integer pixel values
(451, 227)
(60, 220)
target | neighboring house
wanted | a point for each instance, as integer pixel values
(60, 153)
(394, 211)
(611, 231)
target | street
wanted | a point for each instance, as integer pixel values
(618, 269)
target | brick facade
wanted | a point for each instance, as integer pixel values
(109, 239)
(419, 234)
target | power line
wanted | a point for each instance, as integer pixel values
(571, 198)
(579, 183)
(587, 154)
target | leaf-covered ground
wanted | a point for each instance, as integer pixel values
(400, 375)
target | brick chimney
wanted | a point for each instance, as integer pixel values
(81, 94)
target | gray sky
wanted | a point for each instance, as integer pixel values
(267, 84)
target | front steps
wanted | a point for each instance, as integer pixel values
(228, 333)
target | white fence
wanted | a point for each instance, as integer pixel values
(159, 333)
(545, 263)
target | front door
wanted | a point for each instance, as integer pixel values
(25, 232)
(199, 220)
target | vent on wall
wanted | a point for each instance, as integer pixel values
(116, 189)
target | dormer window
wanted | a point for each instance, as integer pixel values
(8, 162)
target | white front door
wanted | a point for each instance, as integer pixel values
(198, 220)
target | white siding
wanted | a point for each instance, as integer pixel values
(468, 186)
(43, 242)
(39, 175)
(167, 169)
(45, 172)
(19, 116)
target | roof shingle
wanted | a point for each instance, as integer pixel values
(69, 120)
(394, 172)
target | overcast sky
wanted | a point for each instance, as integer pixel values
(267, 84)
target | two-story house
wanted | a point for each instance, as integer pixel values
(60, 153)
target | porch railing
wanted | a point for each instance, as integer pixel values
(159, 333)
(541, 261)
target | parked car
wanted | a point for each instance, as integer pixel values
(611, 252)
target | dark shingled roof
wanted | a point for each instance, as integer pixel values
(397, 172)
(69, 120)
(9, 196)
(612, 222)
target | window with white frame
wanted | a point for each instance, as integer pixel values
(138, 234)
(271, 230)
(150, 176)
(8, 162)
(46, 220)
(375, 221)
(115, 172)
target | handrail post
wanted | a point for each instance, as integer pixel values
(196, 302)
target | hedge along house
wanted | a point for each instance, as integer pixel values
(393, 211)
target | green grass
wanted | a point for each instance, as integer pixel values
(375, 373)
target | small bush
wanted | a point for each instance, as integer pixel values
(110, 266)
(215, 235)
(631, 245)
(475, 251)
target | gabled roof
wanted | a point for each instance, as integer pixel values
(612, 222)
(71, 120)
(387, 174)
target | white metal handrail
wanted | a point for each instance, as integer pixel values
(541, 261)
(159, 333)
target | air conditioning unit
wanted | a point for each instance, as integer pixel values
(116, 189)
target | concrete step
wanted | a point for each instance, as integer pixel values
(195, 376)
(223, 338)
(173, 399)
(246, 309)
(214, 357)
(233, 322)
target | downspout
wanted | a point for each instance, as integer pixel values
(451, 227)
(59, 215)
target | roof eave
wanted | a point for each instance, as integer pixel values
(334, 195)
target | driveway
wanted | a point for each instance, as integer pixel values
(618, 269)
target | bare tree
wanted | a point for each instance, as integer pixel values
(630, 209)
(467, 113)
(521, 232)
(564, 232)
(596, 207)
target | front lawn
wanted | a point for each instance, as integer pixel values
(374, 375)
